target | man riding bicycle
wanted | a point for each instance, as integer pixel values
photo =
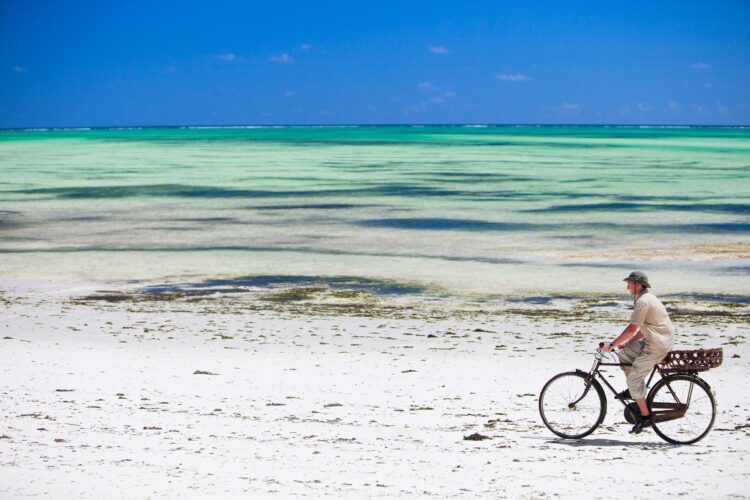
(644, 343)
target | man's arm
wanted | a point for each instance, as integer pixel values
(629, 334)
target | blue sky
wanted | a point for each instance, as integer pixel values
(101, 63)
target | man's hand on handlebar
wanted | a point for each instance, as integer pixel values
(606, 346)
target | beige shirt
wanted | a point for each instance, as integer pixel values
(652, 318)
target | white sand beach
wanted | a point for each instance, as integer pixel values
(229, 396)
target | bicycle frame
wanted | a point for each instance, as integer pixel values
(661, 412)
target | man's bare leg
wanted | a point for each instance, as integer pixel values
(642, 406)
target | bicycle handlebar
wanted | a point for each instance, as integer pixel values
(600, 353)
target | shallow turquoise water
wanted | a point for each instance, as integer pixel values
(467, 209)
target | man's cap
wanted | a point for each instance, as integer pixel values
(638, 277)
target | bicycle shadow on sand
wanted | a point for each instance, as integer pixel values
(609, 442)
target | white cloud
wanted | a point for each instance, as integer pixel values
(701, 66)
(442, 98)
(642, 106)
(19, 69)
(289, 93)
(226, 57)
(569, 107)
(513, 77)
(427, 86)
(674, 105)
(721, 108)
(437, 49)
(284, 58)
(305, 46)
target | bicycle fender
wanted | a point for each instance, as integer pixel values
(703, 381)
(586, 374)
(594, 382)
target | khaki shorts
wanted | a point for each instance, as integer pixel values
(643, 359)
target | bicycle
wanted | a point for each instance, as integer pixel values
(572, 404)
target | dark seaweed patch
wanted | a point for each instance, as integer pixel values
(204, 219)
(84, 218)
(211, 192)
(185, 191)
(736, 270)
(532, 300)
(310, 206)
(477, 177)
(337, 283)
(658, 198)
(442, 224)
(727, 227)
(729, 208)
(447, 224)
(7, 220)
(709, 297)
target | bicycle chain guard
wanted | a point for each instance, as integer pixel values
(631, 411)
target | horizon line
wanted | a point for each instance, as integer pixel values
(354, 125)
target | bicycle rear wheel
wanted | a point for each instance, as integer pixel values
(570, 407)
(683, 409)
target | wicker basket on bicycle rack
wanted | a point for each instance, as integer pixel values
(693, 361)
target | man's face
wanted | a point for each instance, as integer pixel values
(632, 287)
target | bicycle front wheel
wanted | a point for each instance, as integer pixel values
(570, 406)
(683, 409)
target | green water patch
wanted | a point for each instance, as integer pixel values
(387, 166)
(547, 138)
(237, 248)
